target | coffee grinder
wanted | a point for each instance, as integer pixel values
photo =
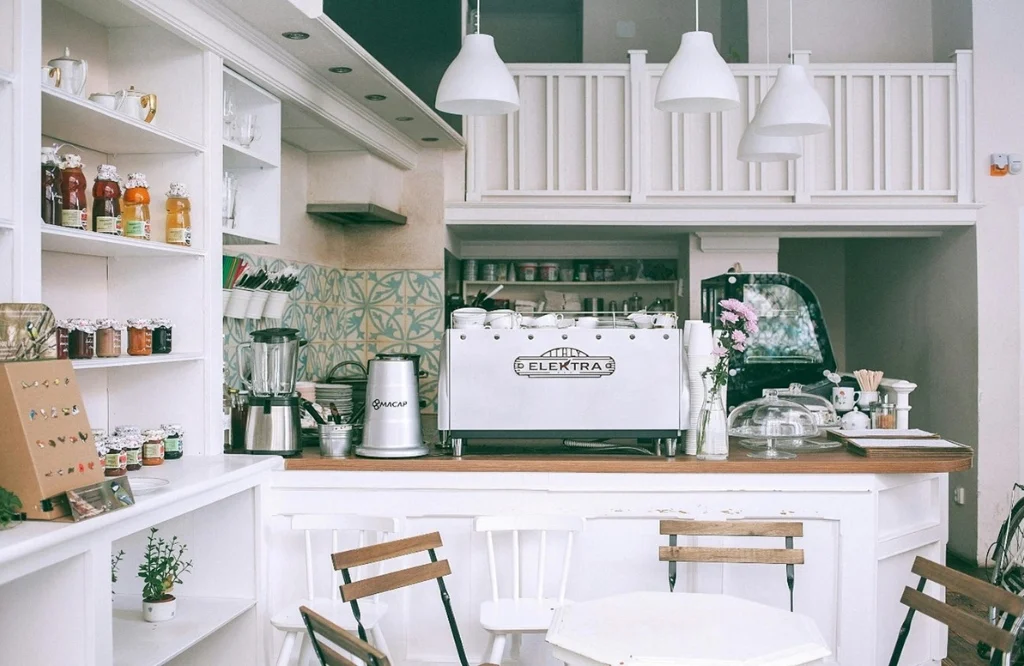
(272, 425)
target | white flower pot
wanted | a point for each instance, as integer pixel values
(276, 304)
(239, 303)
(256, 304)
(159, 611)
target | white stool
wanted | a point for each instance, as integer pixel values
(513, 615)
(371, 529)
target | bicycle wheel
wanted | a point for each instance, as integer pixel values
(1009, 554)
(1015, 657)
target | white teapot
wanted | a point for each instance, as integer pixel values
(138, 105)
(72, 73)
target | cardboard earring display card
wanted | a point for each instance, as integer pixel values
(46, 442)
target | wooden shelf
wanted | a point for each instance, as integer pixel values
(78, 121)
(74, 241)
(127, 361)
(594, 284)
(239, 157)
(141, 643)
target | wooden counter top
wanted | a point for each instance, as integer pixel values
(490, 459)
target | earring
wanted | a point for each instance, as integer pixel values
(74, 409)
(84, 436)
(66, 410)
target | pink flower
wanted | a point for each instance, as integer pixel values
(751, 326)
(739, 336)
(731, 304)
(739, 347)
(729, 317)
(719, 351)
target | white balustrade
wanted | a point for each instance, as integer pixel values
(590, 132)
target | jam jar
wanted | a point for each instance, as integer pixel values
(63, 331)
(106, 201)
(100, 438)
(81, 339)
(135, 211)
(108, 338)
(162, 336)
(74, 213)
(116, 459)
(174, 441)
(153, 447)
(140, 337)
(133, 451)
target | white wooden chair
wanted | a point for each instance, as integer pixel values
(371, 529)
(513, 615)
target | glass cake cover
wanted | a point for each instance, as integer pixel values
(822, 409)
(770, 420)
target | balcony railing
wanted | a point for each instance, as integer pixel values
(590, 133)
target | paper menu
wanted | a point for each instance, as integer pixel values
(875, 433)
(872, 443)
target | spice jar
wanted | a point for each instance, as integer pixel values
(153, 447)
(106, 201)
(162, 336)
(133, 452)
(81, 339)
(174, 441)
(179, 221)
(52, 198)
(140, 337)
(74, 213)
(135, 211)
(63, 330)
(108, 338)
(883, 415)
(115, 462)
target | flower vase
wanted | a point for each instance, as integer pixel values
(712, 425)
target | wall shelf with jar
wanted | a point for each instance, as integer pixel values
(251, 182)
(76, 241)
(128, 361)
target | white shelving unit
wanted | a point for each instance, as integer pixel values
(89, 243)
(129, 361)
(257, 166)
(139, 643)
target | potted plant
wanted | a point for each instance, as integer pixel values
(115, 562)
(10, 509)
(163, 566)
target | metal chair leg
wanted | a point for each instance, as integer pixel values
(901, 639)
(672, 541)
(790, 574)
(446, 600)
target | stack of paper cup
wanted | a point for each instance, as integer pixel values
(698, 359)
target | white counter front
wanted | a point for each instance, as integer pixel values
(862, 532)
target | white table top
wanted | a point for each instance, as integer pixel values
(682, 629)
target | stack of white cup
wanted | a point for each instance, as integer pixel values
(698, 343)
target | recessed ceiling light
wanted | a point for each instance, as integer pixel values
(296, 35)
(404, 119)
(376, 98)
(429, 139)
(339, 70)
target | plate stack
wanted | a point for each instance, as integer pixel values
(337, 395)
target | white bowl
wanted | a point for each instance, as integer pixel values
(586, 322)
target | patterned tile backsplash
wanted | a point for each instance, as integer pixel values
(353, 316)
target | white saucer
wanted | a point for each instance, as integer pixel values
(142, 485)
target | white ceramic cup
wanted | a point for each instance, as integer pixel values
(107, 100)
(665, 320)
(503, 319)
(844, 398)
(586, 322)
(549, 320)
(469, 318)
(642, 319)
(528, 322)
(866, 398)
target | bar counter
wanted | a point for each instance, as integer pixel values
(526, 458)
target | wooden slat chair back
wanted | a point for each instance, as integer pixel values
(324, 635)
(789, 555)
(969, 626)
(353, 591)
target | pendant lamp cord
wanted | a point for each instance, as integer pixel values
(768, 34)
(476, 18)
(696, 15)
(791, 60)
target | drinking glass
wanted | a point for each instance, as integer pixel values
(229, 112)
(247, 130)
(229, 200)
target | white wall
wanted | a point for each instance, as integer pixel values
(659, 26)
(999, 92)
(845, 30)
(951, 27)
(714, 254)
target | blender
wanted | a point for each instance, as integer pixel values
(272, 424)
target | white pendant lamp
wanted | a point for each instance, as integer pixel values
(792, 107)
(477, 83)
(756, 147)
(697, 79)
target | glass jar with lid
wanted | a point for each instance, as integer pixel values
(135, 211)
(179, 220)
(174, 440)
(81, 339)
(116, 458)
(883, 415)
(769, 420)
(122, 430)
(140, 337)
(63, 332)
(162, 336)
(153, 447)
(133, 452)
(108, 338)
(106, 201)
(74, 212)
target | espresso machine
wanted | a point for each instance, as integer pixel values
(272, 424)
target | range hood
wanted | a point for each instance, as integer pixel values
(354, 213)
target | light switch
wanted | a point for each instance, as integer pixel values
(959, 496)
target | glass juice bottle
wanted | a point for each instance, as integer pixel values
(179, 222)
(52, 196)
(74, 212)
(106, 201)
(135, 211)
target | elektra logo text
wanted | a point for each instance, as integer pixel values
(564, 362)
